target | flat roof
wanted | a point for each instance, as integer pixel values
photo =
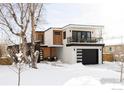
(52, 28)
(69, 25)
(114, 45)
(83, 25)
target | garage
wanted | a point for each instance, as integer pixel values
(87, 56)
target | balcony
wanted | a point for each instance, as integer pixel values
(85, 40)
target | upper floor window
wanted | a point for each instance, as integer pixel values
(110, 49)
(64, 35)
(81, 35)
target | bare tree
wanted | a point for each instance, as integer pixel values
(121, 66)
(19, 66)
(16, 18)
(119, 56)
(35, 11)
(18, 69)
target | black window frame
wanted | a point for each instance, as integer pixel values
(77, 35)
(110, 49)
(64, 35)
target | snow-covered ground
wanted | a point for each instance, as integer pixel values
(106, 74)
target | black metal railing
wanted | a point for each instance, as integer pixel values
(84, 40)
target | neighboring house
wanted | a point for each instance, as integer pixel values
(114, 52)
(72, 44)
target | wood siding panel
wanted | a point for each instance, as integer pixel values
(49, 52)
(57, 39)
(107, 57)
(46, 52)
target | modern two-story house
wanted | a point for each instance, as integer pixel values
(72, 43)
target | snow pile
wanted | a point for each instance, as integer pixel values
(84, 80)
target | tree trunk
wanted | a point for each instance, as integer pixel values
(32, 41)
(25, 49)
(19, 72)
(121, 76)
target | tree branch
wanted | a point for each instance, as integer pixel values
(6, 21)
(27, 22)
(21, 17)
(7, 35)
(35, 7)
(39, 14)
(4, 24)
(26, 11)
(19, 6)
(14, 16)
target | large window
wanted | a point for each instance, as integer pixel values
(64, 35)
(79, 36)
(110, 49)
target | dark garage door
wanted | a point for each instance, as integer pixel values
(87, 56)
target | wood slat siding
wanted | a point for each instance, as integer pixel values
(49, 52)
(53, 52)
(46, 52)
(57, 39)
(108, 57)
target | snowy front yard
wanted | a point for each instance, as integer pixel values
(64, 74)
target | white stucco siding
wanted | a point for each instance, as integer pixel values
(100, 55)
(69, 55)
(66, 55)
(68, 34)
(59, 52)
(48, 37)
